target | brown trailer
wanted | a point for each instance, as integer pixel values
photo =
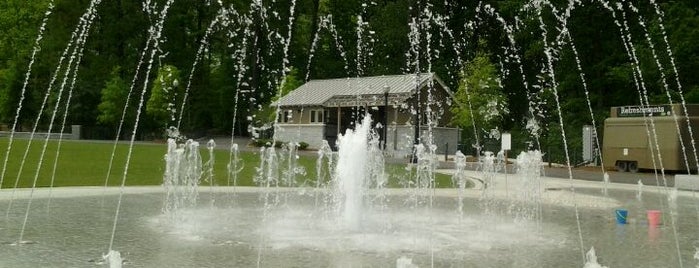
(631, 132)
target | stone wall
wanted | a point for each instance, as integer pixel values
(445, 139)
(313, 134)
(75, 135)
(399, 142)
(400, 139)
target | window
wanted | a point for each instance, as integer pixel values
(318, 116)
(284, 116)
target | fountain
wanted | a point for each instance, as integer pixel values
(347, 215)
(348, 229)
(352, 174)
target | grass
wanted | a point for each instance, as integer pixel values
(86, 163)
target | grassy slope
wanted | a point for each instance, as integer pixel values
(82, 163)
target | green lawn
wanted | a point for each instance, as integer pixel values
(83, 163)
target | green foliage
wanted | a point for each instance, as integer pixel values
(9, 96)
(114, 97)
(291, 82)
(266, 143)
(480, 86)
(303, 145)
(267, 113)
(19, 22)
(389, 57)
(692, 95)
(121, 29)
(162, 104)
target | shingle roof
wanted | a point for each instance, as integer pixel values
(319, 92)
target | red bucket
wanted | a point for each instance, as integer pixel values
(653, 217)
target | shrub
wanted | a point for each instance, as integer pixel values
(303, 145)
(266, 143)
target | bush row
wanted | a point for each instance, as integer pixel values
(277, 144)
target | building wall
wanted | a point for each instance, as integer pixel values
(445, 138)
(400, 114)
(401, 139)
(313, 134)
(296, 115)
(302, 115)
(399, 142)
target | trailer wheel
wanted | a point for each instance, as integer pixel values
(632, 166)
(622, 166)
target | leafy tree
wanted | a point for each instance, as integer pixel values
(19, 20)
(120, 30)
(291, 82)
(8, 91)
(390, 25)
(480, 86)
(162, 104)
(114, 98)
(267, 113)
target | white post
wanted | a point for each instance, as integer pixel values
(506, 144)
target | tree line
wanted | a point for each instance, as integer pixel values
(231, 57)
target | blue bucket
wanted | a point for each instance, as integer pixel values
(621, 216)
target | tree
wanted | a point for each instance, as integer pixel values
(480, 86)
(8, 79)
(267, 113)
(162, 104)
(391, 28)
(20, 22)
(291, 82)
(114, 98)
(121, 27)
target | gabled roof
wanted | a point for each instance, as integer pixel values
(321, 92)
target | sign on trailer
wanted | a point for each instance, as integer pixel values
(640, 111)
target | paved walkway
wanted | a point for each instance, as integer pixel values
(503, 187)
(554, 190)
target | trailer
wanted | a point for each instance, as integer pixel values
(651, 137)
